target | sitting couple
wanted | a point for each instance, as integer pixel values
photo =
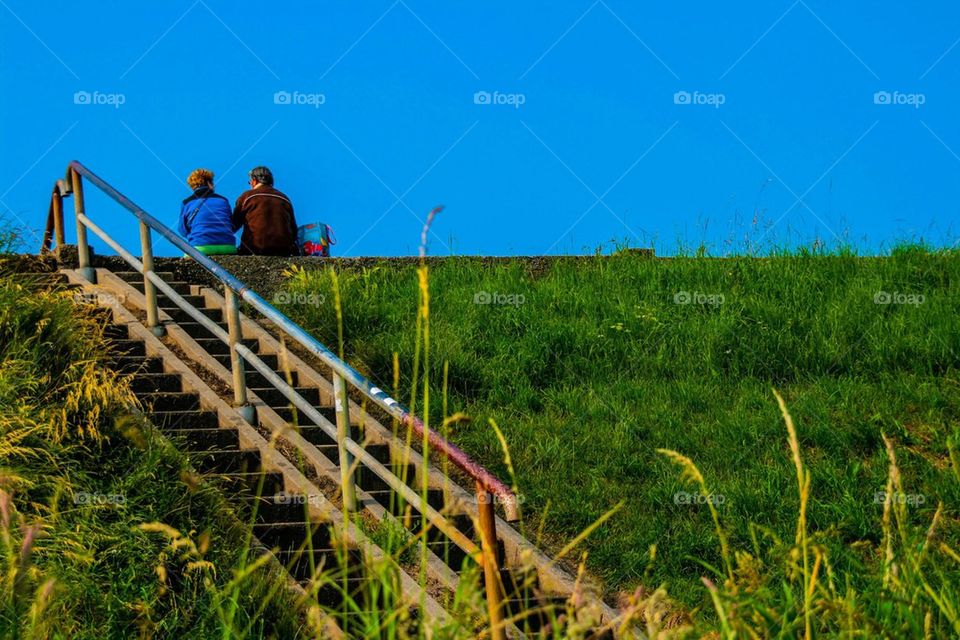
(264, 213)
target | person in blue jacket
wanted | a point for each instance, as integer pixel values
(205, 217)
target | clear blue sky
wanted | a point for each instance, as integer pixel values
(585, 140)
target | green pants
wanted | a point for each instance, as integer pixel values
(217, 249)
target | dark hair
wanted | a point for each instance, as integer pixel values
(262, 174)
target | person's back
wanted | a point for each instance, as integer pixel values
(205, 217)
(267, 218)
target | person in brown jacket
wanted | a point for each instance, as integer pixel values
(266, 216)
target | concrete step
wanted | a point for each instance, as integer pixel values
(277, 507)
(171, 401)
(462, 521)
(136, 276)
(452, 555)
(179, 315)
(183, 288)
(164, 302)
(207, 439)
(197, 330)
(152, 382)
(251, 483)
(275, 398)
(287, 414)
(316, 435)
(137, 364)
(396, 505)
(227, 461)
(116, 332)
(127, 348)
(292, 535)
(367, 480)
(269, 359)
(185, 419)
(256, 379)
(331, 595)
(339, 568)
(219, 347)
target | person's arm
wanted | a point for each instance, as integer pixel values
(238, 215)
(293, 222)
(182, 223)
(297, 249)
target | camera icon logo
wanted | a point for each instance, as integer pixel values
(882, 297)
(282, 297)
(681, 97)
(482, 97)
(81, 97)
(681, 297)
(482, 297)
(282, 97)
(882, 97)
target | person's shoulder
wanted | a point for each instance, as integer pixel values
(190, 198)
(276, 192)
(246, 194)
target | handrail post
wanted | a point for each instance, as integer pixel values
(83, 249)
(232, 311)
(149, 290)
(54, 227)
(48, 230)
(487, 516)
(342, 404)
(58, 218)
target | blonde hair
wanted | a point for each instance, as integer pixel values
(199, 178)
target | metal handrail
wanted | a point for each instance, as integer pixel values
(487, 485)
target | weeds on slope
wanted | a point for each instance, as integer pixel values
(78, 478)
(911, 591)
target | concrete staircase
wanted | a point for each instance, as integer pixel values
(283, 477)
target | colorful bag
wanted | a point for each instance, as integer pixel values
(315, 239)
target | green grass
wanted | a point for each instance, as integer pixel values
(600, 366)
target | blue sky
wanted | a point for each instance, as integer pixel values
(544, 127)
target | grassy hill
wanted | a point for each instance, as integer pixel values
(591, 366)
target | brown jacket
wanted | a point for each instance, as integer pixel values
(269, 226)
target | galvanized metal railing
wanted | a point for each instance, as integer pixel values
(344, 376)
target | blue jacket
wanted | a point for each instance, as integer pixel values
(205, 218)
